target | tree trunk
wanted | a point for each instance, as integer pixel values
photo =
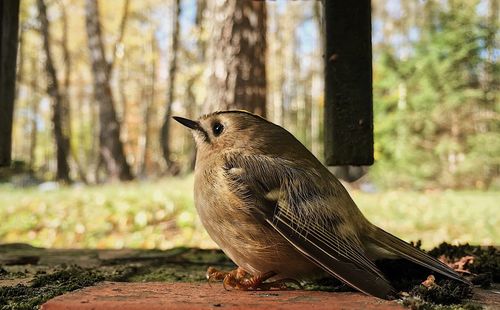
(491, 78)
(34, 99)
(149, 103)
(21, 61)
(238, 55)
(276, 74)
(121, 33)
(111, 147)
(59, 111)
(191, 114)
(191, 102)
(172, 167)
(317, 84)
(65, 93)
(9, 23)
(148, 97)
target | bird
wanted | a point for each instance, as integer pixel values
(280, 215)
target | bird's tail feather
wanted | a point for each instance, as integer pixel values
(401, 248)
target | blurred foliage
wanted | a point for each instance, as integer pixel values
(161, 215)
(435, 216)
(436, 110)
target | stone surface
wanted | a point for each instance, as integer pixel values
(156, 295)
(490, 299)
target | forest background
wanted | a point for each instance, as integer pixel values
(98, 82)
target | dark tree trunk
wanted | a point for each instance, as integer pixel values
(9, 24)
(172, 167)
(238, 55)
(59, 108)
(111, 147)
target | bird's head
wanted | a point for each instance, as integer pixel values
(228, 130)
(243, 132)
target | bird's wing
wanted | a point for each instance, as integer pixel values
(395, 245)
(290, 200)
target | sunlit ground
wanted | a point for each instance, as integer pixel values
(161, 215)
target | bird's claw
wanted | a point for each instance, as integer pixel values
(242, 280)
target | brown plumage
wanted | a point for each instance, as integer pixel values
(273, 207)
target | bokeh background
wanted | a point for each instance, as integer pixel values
(436, 116)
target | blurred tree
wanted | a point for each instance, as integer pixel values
(21, 58)
(121, 32)
(9, 23)
(172, 167)
(149, 97)
(111, 147)
(196, 61)
(275, 69)
(491, 81)
(60, 111)
(65, 92)
(238, 56)
(34, 99)
(317, 84)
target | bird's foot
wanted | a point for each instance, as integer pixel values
(242, 280)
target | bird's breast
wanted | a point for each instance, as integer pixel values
(246, 239)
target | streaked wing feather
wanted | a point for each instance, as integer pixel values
(405, 250)
(348, 250)
(334, 261)
(313, 235)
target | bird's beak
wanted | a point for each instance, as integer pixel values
(187, 122)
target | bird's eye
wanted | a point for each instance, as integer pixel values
(217, 128)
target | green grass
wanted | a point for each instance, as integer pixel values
(453, 216)
(137, 215)
(161, 215)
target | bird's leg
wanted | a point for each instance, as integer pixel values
(256, 282)
(242, 280)
(227, 277)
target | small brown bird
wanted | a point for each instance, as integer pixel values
(279, 214)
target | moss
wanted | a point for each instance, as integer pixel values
(121, 273)
(445, 292)
(46, 286)
(14, 272)
(176, 265)
(171, 273)
(416, 303)
(449, 294)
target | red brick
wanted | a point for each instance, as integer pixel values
(154, 295)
